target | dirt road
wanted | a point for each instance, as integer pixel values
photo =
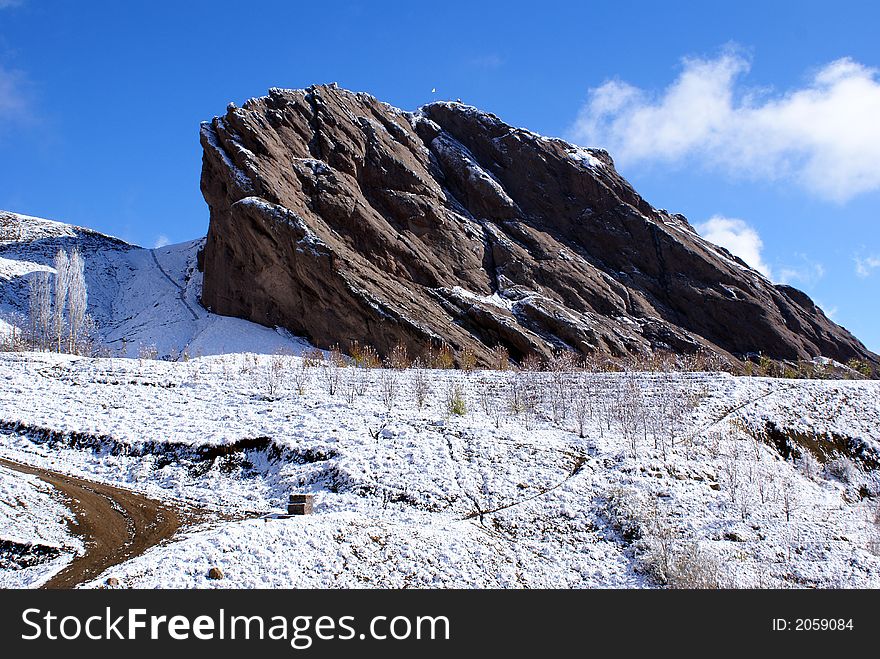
(115, 524)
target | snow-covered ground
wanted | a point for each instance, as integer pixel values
(487, 484)
(420, 478)
(34, 538)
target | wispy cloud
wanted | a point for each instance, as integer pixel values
(6, 4)
(738, 237)
(806, 273)
(490, 61)
(13, 99)
(866, 265)
(825, 135)
(830, 312)
(161, 241)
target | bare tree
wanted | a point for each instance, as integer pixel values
(630, 411)
(78, 297)
(765, 485)
(302, 377)
(562, 366)
(789, 498)
(583, 401)
(514, 394)
(484, 395)
(731, 469)
(532, 389)
(62, 282)
(40, 302)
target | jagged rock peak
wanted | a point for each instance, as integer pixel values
(343, 218)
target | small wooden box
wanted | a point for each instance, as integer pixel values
(300, 504)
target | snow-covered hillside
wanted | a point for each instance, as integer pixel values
(746, 482)
(141, 299)
(421, 478)
(35, 541)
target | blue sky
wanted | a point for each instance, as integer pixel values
(760, 123)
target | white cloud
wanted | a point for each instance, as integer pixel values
(5, 4)
(866, 265)
(825, 135)
(161, 241)
(738, 238)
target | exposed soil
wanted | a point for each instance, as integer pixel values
(115, 524)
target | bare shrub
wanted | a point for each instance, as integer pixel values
(361, 379)
(398, 358)
(440, 357)
(337, 357)
(330, 371)
(673, 402)
(626, 512)
(348, 383)
(766, 485)
(705, 360)
(662, 361)
(808, 465)
(274, 375)
(500, 358)
(302, 377)
(468, 359)
(313, 358)
(693, 568)
(660, 551)
(532, 363)
(388, 385)
(16, 340)
(496, 413)
(842, 469)
(364, 356)
(421, 387)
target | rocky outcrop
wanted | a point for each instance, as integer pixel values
(342, 218)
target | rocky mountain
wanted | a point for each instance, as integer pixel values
(342, 218)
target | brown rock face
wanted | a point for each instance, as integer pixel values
(342, 218)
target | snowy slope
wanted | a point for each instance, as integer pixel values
(34, 538)
(141, 298)
(493, 497)
(744, 482)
